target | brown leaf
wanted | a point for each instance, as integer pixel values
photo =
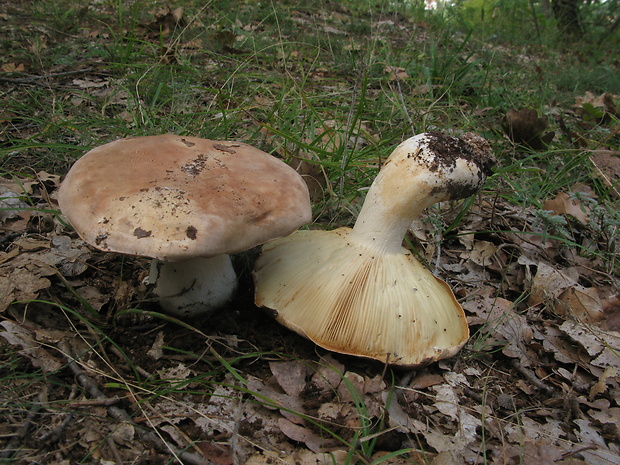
(291, 376)
(20, 336)
(562, 204)
(396, 73)
(166, 20)
(482, 253)
(604, 104)
(581, 303)
(290, 406)
(12, 68)
(425, 380)
(601, 385)
(549, 283)
(311, 173)
(215, 453)
(524, 127)
(498, 317)
(329, 375)
(298, 433)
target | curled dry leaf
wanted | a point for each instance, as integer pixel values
(525, 128)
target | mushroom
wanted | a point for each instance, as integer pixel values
(359, 291)
(186, 202)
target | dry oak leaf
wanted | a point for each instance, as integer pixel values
(600, 108)
(561, 293)
(563, 204)
(525, 128)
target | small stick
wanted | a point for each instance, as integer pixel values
(56, 433)
(34, 79)
(93, 402)
(530, 376)
(114, 449)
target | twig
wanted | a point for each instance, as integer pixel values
(235, 434)
(35, 79)
(114, 449)
(55, 434)
(531, 377)
(93, 402)
(577, 451)
(122, 415)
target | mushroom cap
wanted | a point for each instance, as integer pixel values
(350, 299)
(174, 197)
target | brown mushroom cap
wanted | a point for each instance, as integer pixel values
(175, 197)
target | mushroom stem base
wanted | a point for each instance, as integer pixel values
(195, 286)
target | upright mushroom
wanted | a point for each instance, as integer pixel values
(358, 291)
(186, 202)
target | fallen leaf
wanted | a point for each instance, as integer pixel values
(580, 303)
(524, 127)
(599, 109)
(396, 73)
(611, 309)
(12, 68)
(216, 453)
(481, 253)
(156, 351)
(291, 376)
(315, 442)
(562, 204)
(39, 356)
(601, 384)
(549, 283)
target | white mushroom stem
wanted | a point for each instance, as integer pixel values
(412, 179)
(193, 286)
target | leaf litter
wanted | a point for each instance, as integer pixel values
(538, 381)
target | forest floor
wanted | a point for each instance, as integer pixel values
(93, 372)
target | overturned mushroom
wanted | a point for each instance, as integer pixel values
(358, 291)
(186, 202)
